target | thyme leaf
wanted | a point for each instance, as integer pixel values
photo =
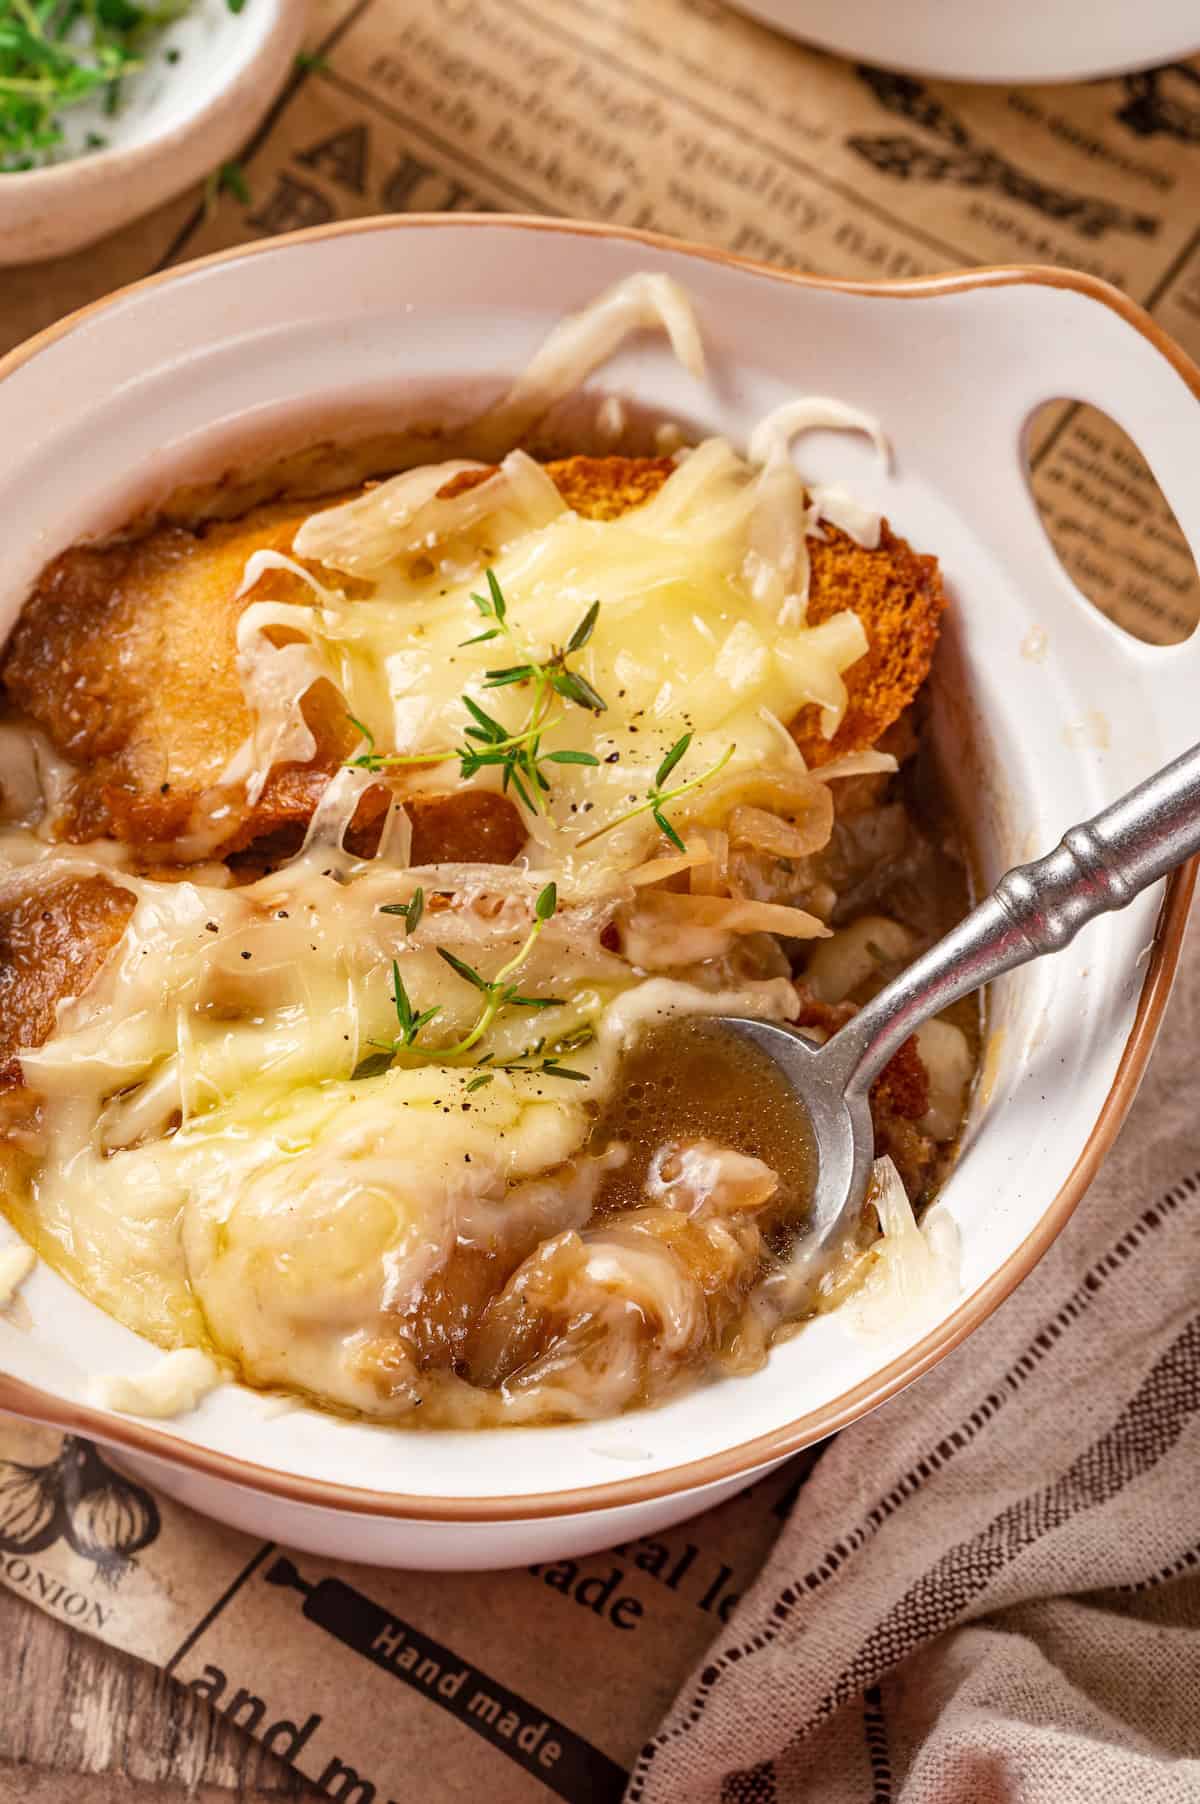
(536, 1059)
(411, 911)
(410, 1022)
(461, 969)
(657, 797)
(584, 630)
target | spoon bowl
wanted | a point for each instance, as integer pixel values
(839, 1119)
(1035, 909)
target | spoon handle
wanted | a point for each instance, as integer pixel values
(1035, 908)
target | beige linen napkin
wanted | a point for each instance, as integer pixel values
(990, 1589)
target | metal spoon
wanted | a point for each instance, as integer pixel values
(1034, 909)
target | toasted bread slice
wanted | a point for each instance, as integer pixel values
(125, 655)
(895, 591)
(53, 940)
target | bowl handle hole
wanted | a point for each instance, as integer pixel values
(1109, 523)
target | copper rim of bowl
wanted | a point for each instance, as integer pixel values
(26, 1400)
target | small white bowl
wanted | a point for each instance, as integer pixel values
(179, 121)
(976, 40)
(272, 346)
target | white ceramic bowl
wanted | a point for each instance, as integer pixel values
(179, 122)
(978, 40)
(172, 377)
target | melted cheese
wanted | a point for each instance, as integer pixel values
(174, 1384)
(215, 1175)
(215, 1172)
(16, 1263)
(911, 1276)
(682, 643)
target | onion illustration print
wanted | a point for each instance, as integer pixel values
(32, 1513)
(80, 1499)
(108, 1519)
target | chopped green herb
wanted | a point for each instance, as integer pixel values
(48, 65)
(59, 54)
(308, 63)
(227, 178)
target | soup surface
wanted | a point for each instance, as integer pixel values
(372, 868)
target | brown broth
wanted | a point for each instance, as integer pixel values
(949, 888)
(691, 1080)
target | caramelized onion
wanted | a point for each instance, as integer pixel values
(702, 1178)
(665, 929)
(656, 870)
(800, 806)
(596, 1320)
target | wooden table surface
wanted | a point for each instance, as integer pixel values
(81, 1724)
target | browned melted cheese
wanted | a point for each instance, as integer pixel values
(126, 656)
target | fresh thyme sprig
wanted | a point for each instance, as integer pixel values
(497, 993)
(518, 755)
(657, 796)
(553, 673)
(532, 1059)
